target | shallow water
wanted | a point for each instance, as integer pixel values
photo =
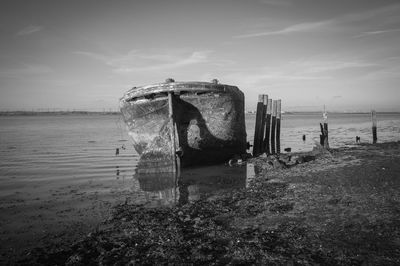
(39, 153)
(343, 129)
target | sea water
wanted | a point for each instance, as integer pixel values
(343, 129)
(43, 151)
(70, 149)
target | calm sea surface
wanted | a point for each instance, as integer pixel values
(42, 155)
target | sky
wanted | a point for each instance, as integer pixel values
(85, 54)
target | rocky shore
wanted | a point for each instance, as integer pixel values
(338, 207)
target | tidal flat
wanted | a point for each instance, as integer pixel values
(343, 208)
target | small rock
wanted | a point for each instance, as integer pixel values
(278, 165)
(284, 158)
(74, 259)
(308, 158)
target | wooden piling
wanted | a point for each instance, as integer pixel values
(324, 140)
(374, 135)
(278, 126)
(321, 137)
(273, 126)
(268, 127)
(262, 132)
(257, 130)
(172, 130)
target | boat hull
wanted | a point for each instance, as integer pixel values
(208, 118)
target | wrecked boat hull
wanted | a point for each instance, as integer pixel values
(208, 121)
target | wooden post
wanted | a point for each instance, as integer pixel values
(172, 130)
(273, 126)
(324, 141)
(262, 131)
(278, 126)
(257, 130)
(321, 137)
(268, 127)
(374, 135)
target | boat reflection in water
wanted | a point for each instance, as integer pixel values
(167, 189)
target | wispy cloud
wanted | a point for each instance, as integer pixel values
(269, 76)
(135, 61)
(29, 30)
(301, 27)
(294, 72)
(381, 14)
(321, 66)
(390, 71)
(370, 33)
(193, 58)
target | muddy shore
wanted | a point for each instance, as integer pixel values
(343, 208)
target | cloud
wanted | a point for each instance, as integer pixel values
(381, 15)
(328, 65)
(301, 27)
(385, 73)
(194, 58)
(135, 61)
(323, 68)
(370, 33)
(29, 30)
(269, 76)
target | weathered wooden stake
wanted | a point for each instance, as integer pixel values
(172, 130)
(273, 126)
(262, 133)
(374, 135)
(321, 137)
(324, 135)
(324, 141)
(257, 130)
(268, 127)
(278, 127)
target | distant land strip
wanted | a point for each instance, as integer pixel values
(37, 113)
(34, 113)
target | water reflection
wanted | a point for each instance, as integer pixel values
(117, 171)
(193, 183)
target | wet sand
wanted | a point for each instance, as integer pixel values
(341, 209)
(60, 212)
(55, 214)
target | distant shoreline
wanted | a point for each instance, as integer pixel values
(40, 113)
(319, 113)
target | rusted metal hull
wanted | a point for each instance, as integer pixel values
(208, 118)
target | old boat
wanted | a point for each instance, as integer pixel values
(189, 123)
